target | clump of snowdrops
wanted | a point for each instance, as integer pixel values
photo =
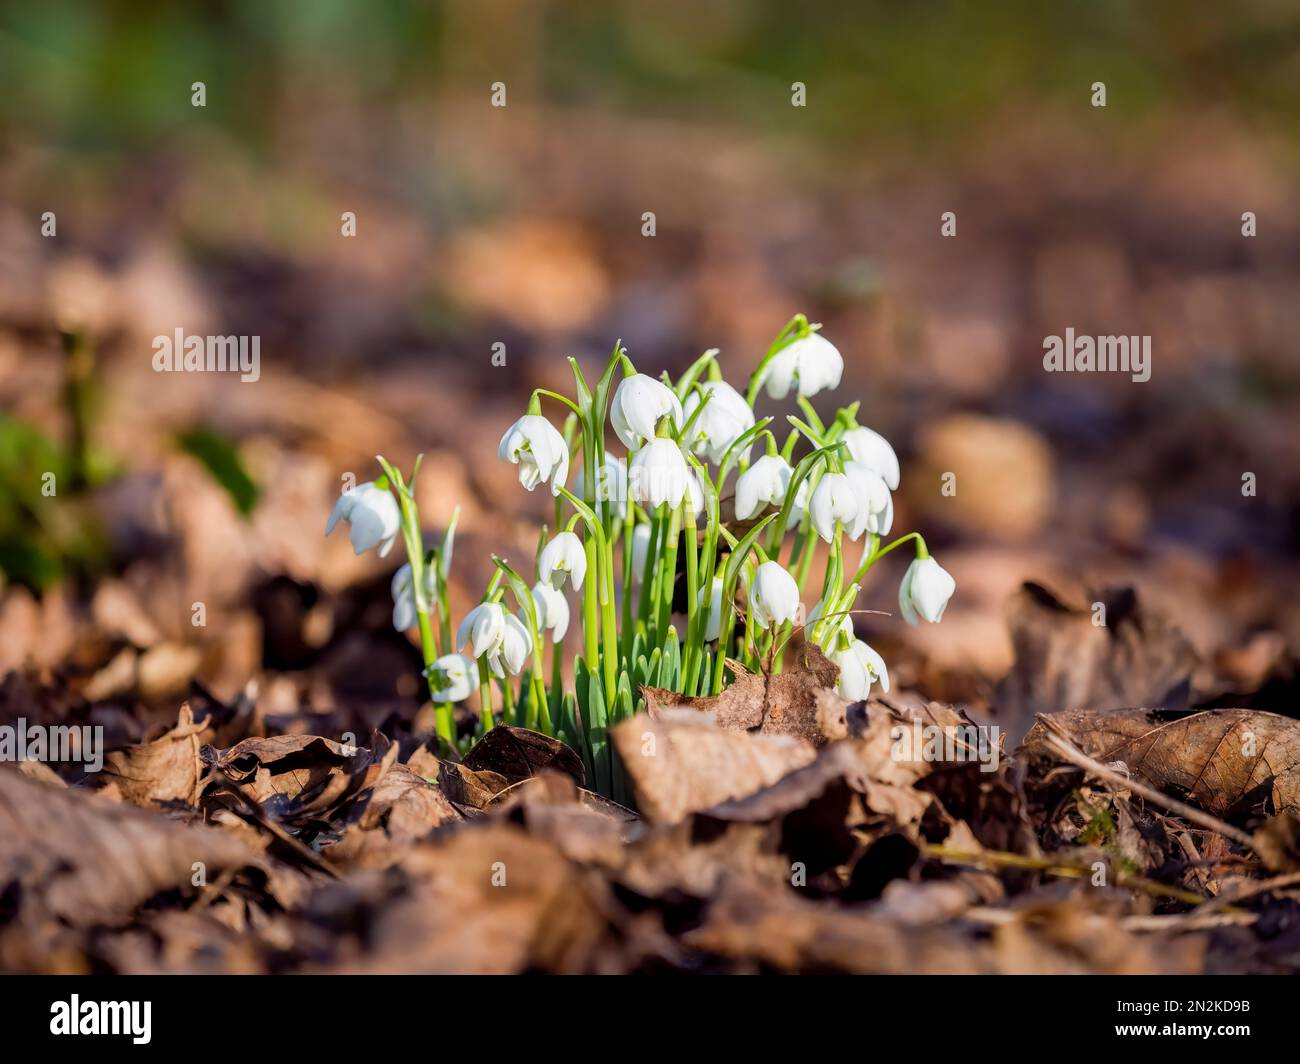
(628, 528)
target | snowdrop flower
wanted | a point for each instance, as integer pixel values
(404, 611)
(659, 475)
(873, 451)
(876, 499)
(811, 364)
(695, 492)
(482, 630)
(537, 448)
(725, 416)
(860, 667)
(516, 645)
(456, 675)
(640, 402)
(926, 588)
(839, 497)
(552, 610)
(713, 626)
(773, 596)
(762, 484)
(373, 515)
(611, 485)
(640, 545)
(564, 556)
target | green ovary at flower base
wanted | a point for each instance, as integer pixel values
(669, 585)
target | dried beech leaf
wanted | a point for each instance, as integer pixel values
(680, 761)
(401, 808)
(1232, 763)
(169, 769)
(517, 753)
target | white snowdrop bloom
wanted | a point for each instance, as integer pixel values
(405, 613)
(926, 588)
(860, 667)
(482, 630)
(811, 364)
(713, 626)
(695, 493)
(611, 485)
(564, 556)
(876, 499)
(639, 404)
(839, 497)
(456, 677)
(640, 545)
(516, 645)
(872, 450)
(552, 610)
(659, 475)
(373, 515)
(773, 596)
(537, 448)
(763, 484)
(725, 417)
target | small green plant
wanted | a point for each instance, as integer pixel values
(632, 526)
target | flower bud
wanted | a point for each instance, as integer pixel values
(552, 610)
(639, 404)
(373, 515)
(764, 483)
(773, 596)
(926, 588)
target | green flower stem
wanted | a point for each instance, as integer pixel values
(805, 467)
(650, 571)
(668, 572)
(694, 624)
(485, 696)
(875, 555)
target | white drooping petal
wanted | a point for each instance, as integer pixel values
(552, 610)
(456, 677)
(773, 595)
(611, 485)
(658, 475)
(838, 497)
(372, 514)
(713, 626)
(639, 404)
(810, 364)
(764, 483)
(925, 590)
(874, 451)
(405, 608)
(516, 645)
(874, 495)
(537, 448)
(640, 545)
(482, 630)
(860, 667)
(725, 417)
(564, 556)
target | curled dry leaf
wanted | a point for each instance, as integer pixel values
(681, 761)
(1066, 660)
(503, 757)
(399, 809)
(1233, 763)
(169, 769)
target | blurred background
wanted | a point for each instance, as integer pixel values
(523, 225)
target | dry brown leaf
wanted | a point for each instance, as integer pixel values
(400, 808)
(169, 769)
(785, 703)
(1233, 763)
(680, 761)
